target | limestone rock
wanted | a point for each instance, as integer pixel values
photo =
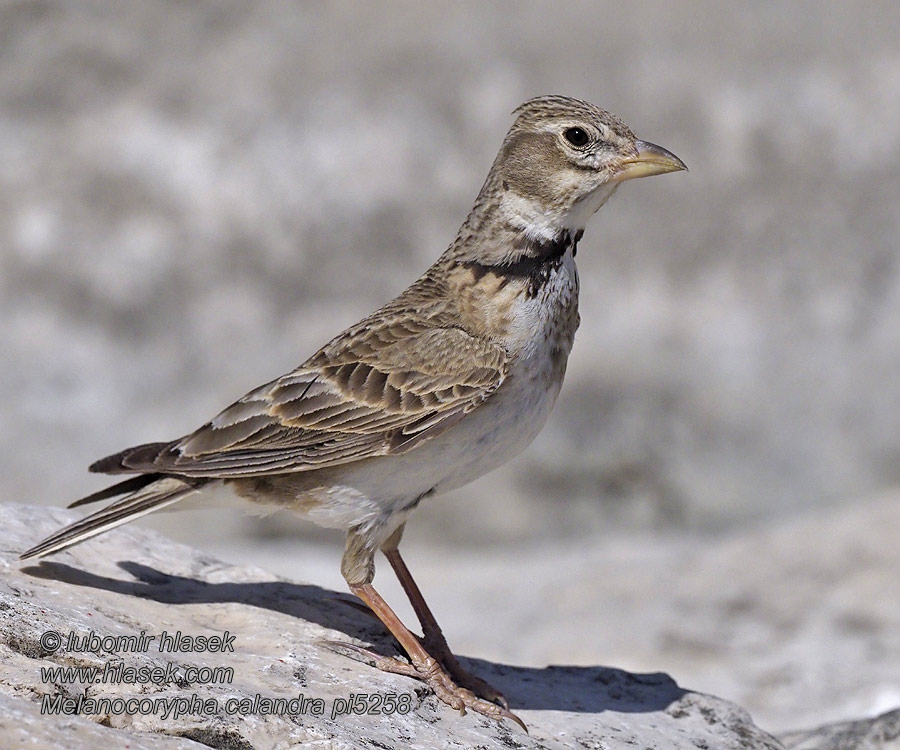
(132, 582)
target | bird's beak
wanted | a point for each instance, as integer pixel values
(648, 160)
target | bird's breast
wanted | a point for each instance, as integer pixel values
(532, 312)
(544, 320)
(539, 331)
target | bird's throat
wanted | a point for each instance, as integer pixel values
(531, 256)
(532, 261)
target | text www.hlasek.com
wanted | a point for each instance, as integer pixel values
(116, 671)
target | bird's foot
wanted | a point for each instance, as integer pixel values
(460, 694)
(439, 649)
(460, 691)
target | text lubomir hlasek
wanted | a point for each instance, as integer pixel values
(165, 643)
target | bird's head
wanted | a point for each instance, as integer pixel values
(563, 158)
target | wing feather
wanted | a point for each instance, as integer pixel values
(376, 390)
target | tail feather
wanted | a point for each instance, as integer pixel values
(138, 458)
(152, 496)
(129, 485)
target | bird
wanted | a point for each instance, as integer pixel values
(444, 383)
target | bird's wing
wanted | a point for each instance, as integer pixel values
(379, 390)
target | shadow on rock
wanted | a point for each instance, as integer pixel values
(553, 688)
(578, 689)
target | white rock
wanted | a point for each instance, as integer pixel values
(132, 581)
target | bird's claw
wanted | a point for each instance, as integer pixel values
(373, 659)
(462, 677)
(438, 677)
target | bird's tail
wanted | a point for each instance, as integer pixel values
(147, 494)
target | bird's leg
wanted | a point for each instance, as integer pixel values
(358, 568)
(433, 637)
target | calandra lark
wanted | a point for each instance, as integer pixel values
(441, 385)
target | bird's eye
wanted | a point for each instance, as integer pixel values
(576, 136)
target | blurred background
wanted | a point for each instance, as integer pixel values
(195, 196)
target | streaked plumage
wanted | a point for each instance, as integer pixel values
(442, 384)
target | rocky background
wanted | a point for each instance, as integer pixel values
(194, 196)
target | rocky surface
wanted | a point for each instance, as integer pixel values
(798, 622)
(879, 733)
(133, 581)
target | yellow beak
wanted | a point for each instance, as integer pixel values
(649, 160)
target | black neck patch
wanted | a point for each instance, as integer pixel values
(538, 260)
